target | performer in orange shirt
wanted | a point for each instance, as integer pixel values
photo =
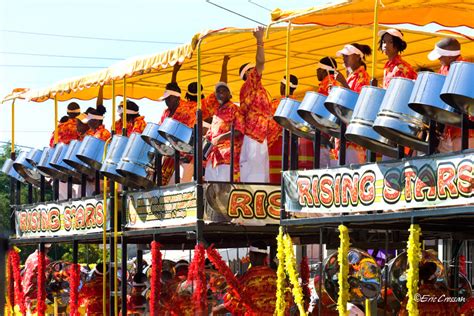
(95, 121)
(258, 112)
(327, 68)
(82, 126)
(67, 130)
(392, 44)
(354, 61)
(91, 295)
(447, 51)
(135, 122)
(227, 114)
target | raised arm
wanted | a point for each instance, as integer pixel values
(176, 68)
(259, 33)
(224, 69)
(100, 96)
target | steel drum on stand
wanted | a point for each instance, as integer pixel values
(33, 157)
(425, 99)
(313, 111)
(360, 129)
(114, 154)
(341, 102)
(153, 138)
(8, 169)
(46, 169)
(179, 135)
(71, 159)
(57, 161)
(396, 121)
(457, 89)
(26, 170)
(137, 163)
(287, 116)
(91, 151)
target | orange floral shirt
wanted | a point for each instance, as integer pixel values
(186, 111)
(226, 115)
(397, 67)
(67, 132)
(327, 83)
(256, 108)
(90, 296)
(444, 70)
(101, 133)
(357, 79)
(258, 284)
(135, 126)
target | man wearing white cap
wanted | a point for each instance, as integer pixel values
(257, 110)
(447, 51)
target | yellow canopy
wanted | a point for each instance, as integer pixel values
(448, 13)
(148, 75)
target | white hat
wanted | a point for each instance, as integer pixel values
(221, 84)
(442, 48)
(393, 32)
(168, 93)
(350, 50)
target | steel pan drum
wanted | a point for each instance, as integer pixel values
(365, 278)
(71, 159)
(46, 169)
(153, 138)
(179, 135)
(426, 101)
(341, 102)
(57, 161)
(137, 160)
(360, 129)
(287, 116)
(112, 159)
(313, 111)
(26, 170)
(396, 121)
(8, 169)
(457, 89)
(33, 157)
(91, 151)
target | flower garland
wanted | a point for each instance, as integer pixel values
(281, 276)
(11, 283)
(156, 266)
(41, 295)
(290, 265)
(16, 274)
(343, 251)
(196, 273)
(74, 289)
(304, 269)
(414, 255)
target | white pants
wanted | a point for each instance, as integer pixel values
(186, 172)
(254, 161)
(219, 173)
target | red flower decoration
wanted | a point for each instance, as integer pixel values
(19, 297)
(74, 289)
(304, 270)
(41, 297)
(156, 267)
(197, 274)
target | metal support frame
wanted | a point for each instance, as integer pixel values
(465, 131)
(317, 149)
(293, 152)
(232, 152)
(342, 148)
(177, 177)
(69, 187)
(123, 285)
(30, 193)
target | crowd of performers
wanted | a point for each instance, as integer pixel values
(256, 296)
(258, 138)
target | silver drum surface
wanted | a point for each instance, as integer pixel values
(179, 135)
(137, 162)
(34, 156)
(91, 152)
(57, 161)
(26, 170)
(8, 169)
(360, 129)
(341, 102)
(71, 159)
(114, 154)
(457, 89)
(313, 111)
(425, 99)
(153, 138)
(46, 169)
(396, 121)
(287, 116)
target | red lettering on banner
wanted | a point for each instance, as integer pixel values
(326, 194)
(410, 176)
(446, 176)
(465, 181)
(315, 191)
(337, 190)
(34, 220)
(349, 189)
(274, 200)
(367, 188)
(68, 218)
(425, 184)
(80, 222)
(90, 215)
(240, 203)
(99, 208)
(304, 186)
(23, 221)
(259, 204)
(44, 221)
(391, 186)
(54, 219)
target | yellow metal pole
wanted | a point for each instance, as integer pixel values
(124, 115)
(287, 66)
(104, 248)
(13, 127)
(374, 39)
(114, 109)
(55, 306)
(368, 311)
(55, 120)
(115, 252)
